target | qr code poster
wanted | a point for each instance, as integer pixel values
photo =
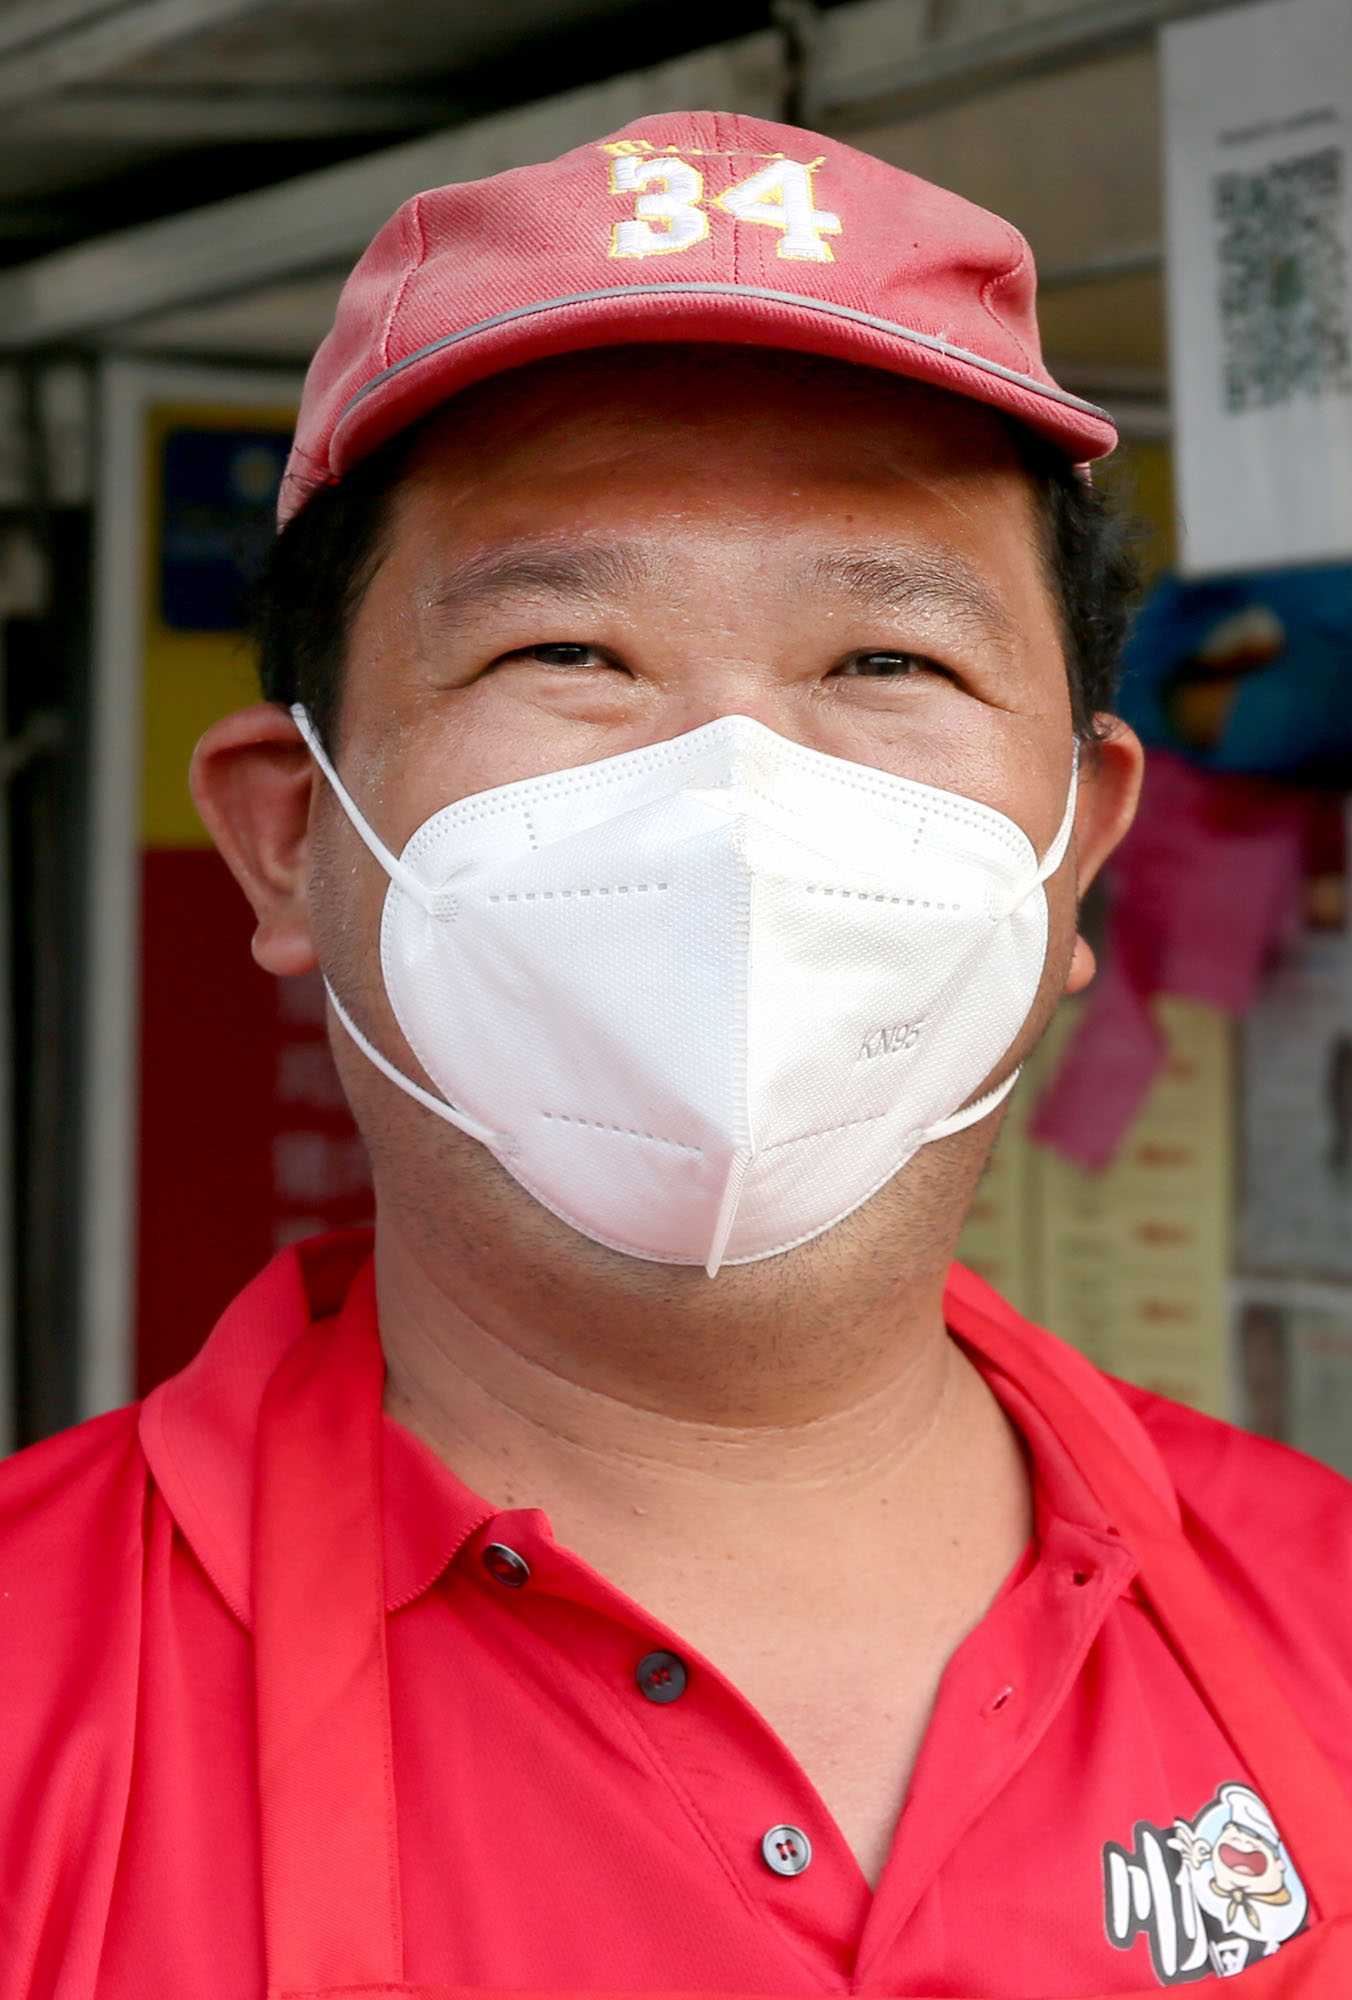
(1283, 292)
(1258, 138)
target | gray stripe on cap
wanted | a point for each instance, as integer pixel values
(832, 311)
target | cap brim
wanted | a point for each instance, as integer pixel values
(743, 315)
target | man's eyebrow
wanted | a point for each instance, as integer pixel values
(586, 570)
(943, 584)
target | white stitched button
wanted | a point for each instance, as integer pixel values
(786, 1849)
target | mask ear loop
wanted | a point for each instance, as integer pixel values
(1056, 853)
(403, 878)
(497, 1142)
(943, 1128)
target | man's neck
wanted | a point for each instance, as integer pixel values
(605, 1391)
(811, 1485)
(529, 1431)
(542, 1353)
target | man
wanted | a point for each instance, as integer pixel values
(686, 651)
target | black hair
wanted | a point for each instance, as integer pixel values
(312, 581)
(316, 573)
(1090, 547)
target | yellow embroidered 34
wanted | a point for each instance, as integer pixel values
(673, 204)
(669, 216)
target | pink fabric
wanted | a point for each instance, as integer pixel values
(1203, 888)
(466, 281)
(558, 1831)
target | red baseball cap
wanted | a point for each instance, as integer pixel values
(684, 226)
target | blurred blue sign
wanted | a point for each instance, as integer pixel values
(219, 499)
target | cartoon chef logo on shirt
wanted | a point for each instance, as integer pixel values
(1213, 1894)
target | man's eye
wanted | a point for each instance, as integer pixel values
(562, 655)
(887, 666)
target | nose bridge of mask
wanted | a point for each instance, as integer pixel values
(751, 778)
(762, 757)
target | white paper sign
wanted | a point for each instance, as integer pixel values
(1258, 211)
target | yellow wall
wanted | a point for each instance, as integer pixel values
(191, 678)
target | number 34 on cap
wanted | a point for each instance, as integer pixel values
(670, 214)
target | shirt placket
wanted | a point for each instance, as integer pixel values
(725, 1781)
(729, 1784)
(998, 1698)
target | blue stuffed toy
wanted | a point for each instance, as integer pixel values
(1247, 674)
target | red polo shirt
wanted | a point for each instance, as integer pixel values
(574, 1813)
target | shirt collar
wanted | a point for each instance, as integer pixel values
(198, 1429)
(970, 1308)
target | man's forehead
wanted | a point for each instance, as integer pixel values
(575, 477)
(559, 438)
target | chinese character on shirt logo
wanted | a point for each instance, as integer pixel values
(1213, 1894)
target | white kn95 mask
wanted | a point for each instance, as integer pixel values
(703, 999)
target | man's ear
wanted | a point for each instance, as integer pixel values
(253, 783)
(1111, 769)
